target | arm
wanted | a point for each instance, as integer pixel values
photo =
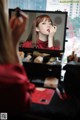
(53, 30)
(17, 25)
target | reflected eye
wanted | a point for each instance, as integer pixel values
(47, 23)
(50, 23)
(43, 23)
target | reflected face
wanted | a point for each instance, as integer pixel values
(44, 27)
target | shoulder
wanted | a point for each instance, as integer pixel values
(13, 73)
(27, 44)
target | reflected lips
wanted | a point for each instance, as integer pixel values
(48, 30)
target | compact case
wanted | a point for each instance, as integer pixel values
(44, 65)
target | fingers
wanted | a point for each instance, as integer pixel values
(23, 15)
(12, 20)
(18, 25)
(17, 21)
(53, 29)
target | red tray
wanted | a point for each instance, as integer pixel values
(42, 95)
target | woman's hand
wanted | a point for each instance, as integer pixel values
(17, 25)
(53, 30)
